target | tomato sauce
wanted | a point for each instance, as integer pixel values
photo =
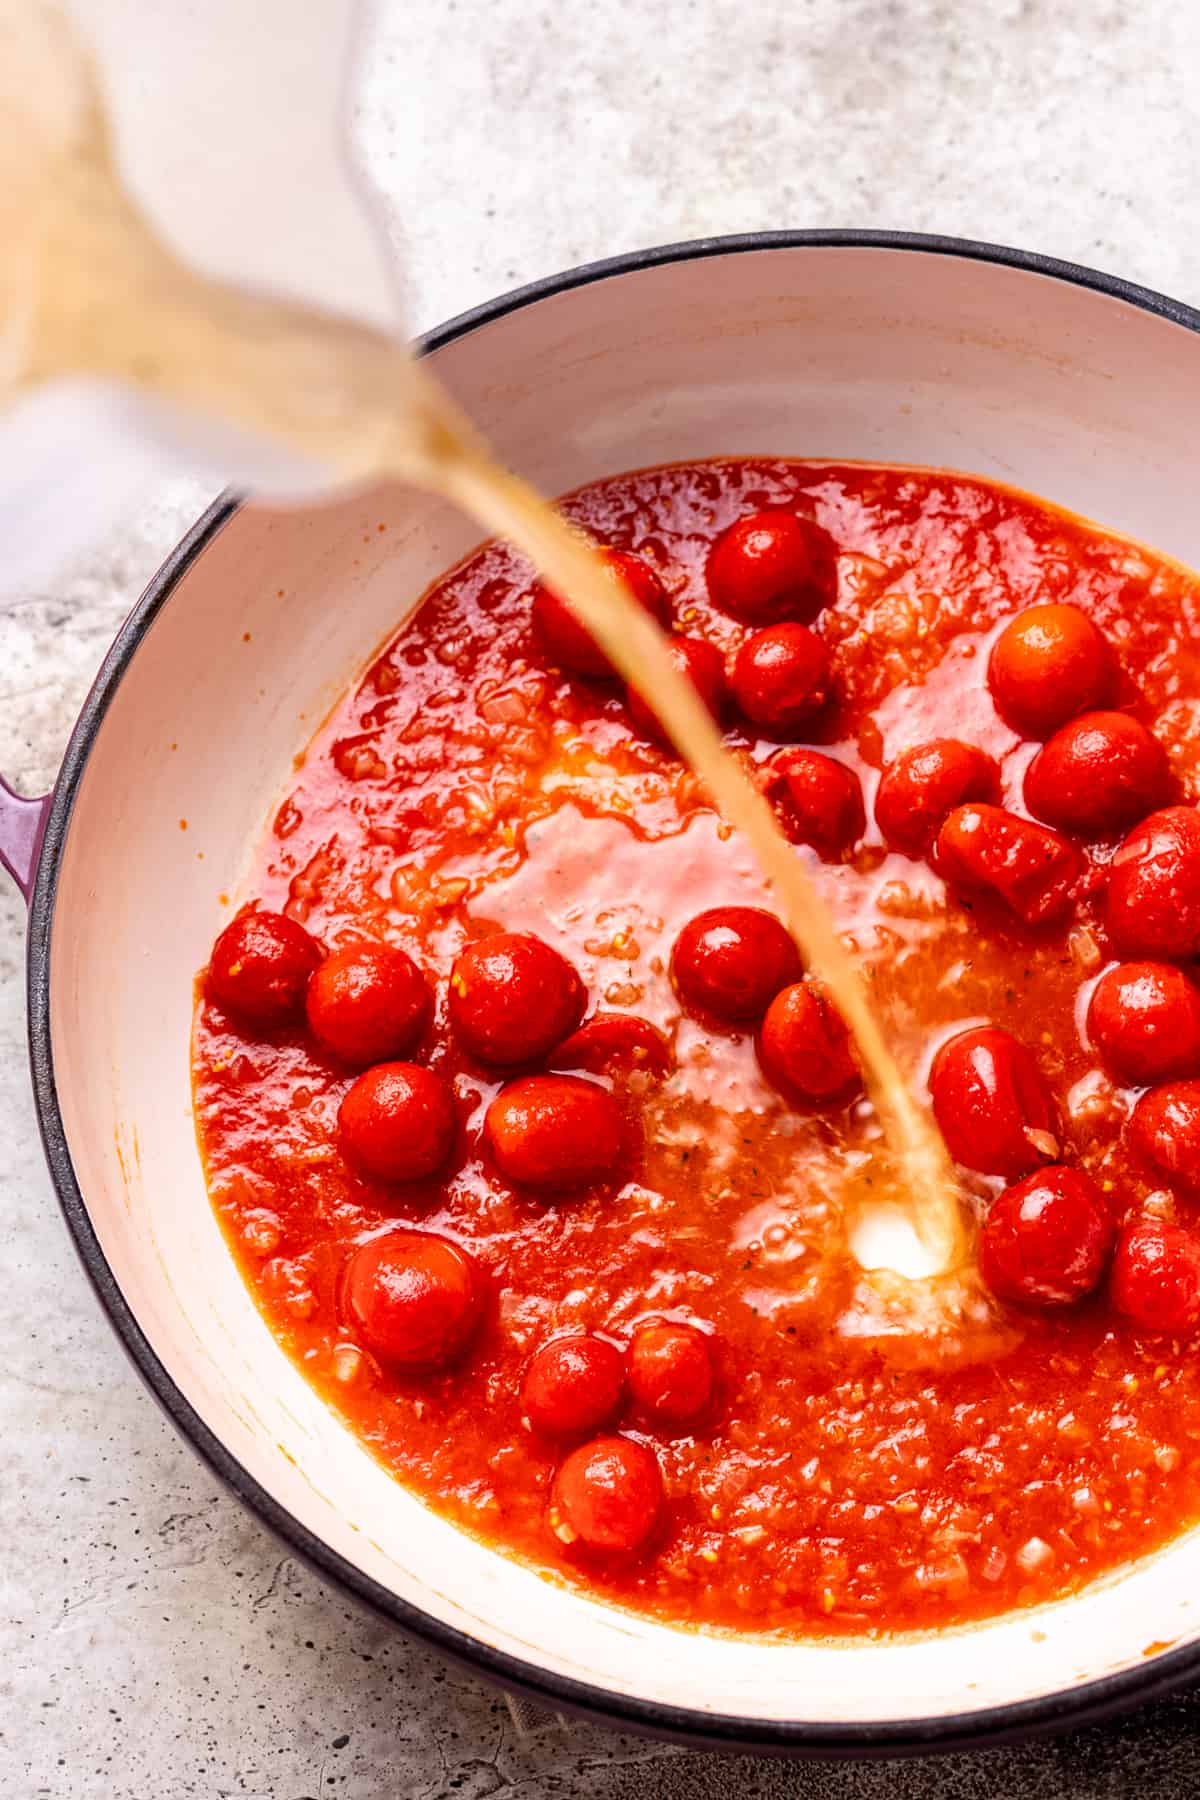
(819, 1475)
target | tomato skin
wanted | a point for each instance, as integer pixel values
(1164, 1128)
(397, 1123)
(368, 1003)
(1156, 1278)
(607, 1496)
(817, 799)
(261, 966)
(988, 1094)
(671, 1373)
(1049, 664)
(1152, 897)
(804, 1050)
(923, 786)
(556, 1132)
(701, 663)
(1144, 1019)
(615, 1044)
(572, 1385)
(1046, 1241)
(729, 963)
(770, 566)
(1097, 775)
(567, 642)
(413, 1297)
(512, 998)
(987, 849)
(782, 678)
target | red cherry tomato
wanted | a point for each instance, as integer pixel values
(1047, 665)
(993, 1107)
(367, 1004)
(572, 1385)
(701, 662)
(1046, 1241)
(1156, 1278)
(984, 849)
(1097, 775)
(923, 786)
(607, 1496)
(1164, 1128)
(729, 962)
(615, 1044)
(512, 998)
(671, 1372)
(556, 1132)
(782, 677)
(1144, 1019)
(773, 565)
(413, 1298)
(804, 1049)
(1152, 900)
(817, 799)
(397, 1123)
(570, 644)
(261, 966)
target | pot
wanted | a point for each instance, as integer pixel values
(846, 345)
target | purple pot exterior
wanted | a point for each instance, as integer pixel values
(22, 823)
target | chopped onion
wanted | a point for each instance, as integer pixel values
(1034, 1555)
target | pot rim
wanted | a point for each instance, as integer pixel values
(1078, 1705)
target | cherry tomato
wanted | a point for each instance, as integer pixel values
(413, 1297)
(985, 849)
(556, 1131)
(611, 1043)
(396, 1123)
(923, 786)
(773, 565)
(512, 998)
(607, 1496)
(1164, 1128)
(804, 1049)
(1144, 1019)
(729, 962)
(1152, 900)
(1047, 1240)
(782, 677)
(1097, 775)
(817, 799)
(1156, 1277)
(993, 1107)
(671, 1372)
(569, 643)
(367, 1004)
(701, 662)
(572, 1385)
(261, 967)
(1047, 665)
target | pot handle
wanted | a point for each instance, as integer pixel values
(22, 822)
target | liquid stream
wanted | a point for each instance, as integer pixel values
(89, 290)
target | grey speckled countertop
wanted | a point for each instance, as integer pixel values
(154, 1642)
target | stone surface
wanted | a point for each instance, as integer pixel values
(154, 1641)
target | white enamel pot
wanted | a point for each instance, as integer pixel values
(836, 345)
